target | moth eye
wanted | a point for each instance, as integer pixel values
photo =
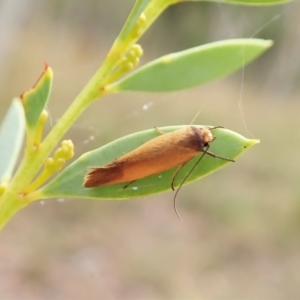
(206, 144)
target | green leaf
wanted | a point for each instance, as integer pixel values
(11, 137)
(192, 67)
(69, 183)
(35, 99)
(248, 2)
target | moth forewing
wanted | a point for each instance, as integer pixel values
(159, 154)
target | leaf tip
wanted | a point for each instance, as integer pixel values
(251, 142)
(269, 43)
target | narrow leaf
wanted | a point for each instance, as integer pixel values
(35, 99)
(11, 137)
(69, 183)
(192, 67)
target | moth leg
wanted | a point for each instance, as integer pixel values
(174, 176)
(128, 184)
(217, 156)
(215, 127)
(158, 130)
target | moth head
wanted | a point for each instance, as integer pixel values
(207, 137)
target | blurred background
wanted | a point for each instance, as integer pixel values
(239, 238)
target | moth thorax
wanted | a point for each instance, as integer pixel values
(207, 136)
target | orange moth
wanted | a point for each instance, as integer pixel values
(162, 153)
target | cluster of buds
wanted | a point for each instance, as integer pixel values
(52, 165)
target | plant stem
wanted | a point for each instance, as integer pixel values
(12, 199)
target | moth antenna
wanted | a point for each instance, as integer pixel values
(184, 180)
(175, 209)
(174, 176)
